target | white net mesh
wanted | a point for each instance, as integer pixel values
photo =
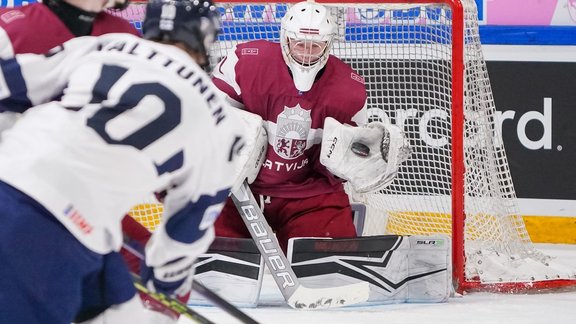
(134, 13)
(404, 52)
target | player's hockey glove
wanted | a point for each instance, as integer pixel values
(173, 278)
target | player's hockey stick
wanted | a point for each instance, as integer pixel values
(296, 295)
(199, 288)
(171, 303)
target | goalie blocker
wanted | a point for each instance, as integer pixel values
(411, 269)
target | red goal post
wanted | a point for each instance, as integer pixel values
(424, 70)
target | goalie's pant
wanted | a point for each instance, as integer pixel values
(46, 275)
(325, 215)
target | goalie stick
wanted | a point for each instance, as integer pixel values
(176, 305)
(296, 295)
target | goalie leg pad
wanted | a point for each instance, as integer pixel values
(233, 268)
(411, 269)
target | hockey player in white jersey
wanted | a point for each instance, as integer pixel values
(135, 117)
(37, 27)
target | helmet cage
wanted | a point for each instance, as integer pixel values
(307, 51)
(306, 22)
(309, 23)
(304, 73)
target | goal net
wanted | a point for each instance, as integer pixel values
(424, 71)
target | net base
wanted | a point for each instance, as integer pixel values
(533, 287)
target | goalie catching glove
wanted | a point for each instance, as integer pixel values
(367, 156)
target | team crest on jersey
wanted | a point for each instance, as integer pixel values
(293, 126)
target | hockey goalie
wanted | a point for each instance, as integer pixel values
(311, 107)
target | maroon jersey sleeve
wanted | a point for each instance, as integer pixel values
(256, 75)
(36, 29)
(33, 28)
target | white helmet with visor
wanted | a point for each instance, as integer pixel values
(306, 37)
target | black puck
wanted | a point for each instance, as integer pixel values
(360, 149)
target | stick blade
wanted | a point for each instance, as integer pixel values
(322, 298)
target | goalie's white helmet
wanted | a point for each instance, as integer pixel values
(306, 36)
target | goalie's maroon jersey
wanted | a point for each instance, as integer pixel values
(36, 29)
(256, 75)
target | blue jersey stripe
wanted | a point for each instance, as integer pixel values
(184, 225)
(18, 100)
